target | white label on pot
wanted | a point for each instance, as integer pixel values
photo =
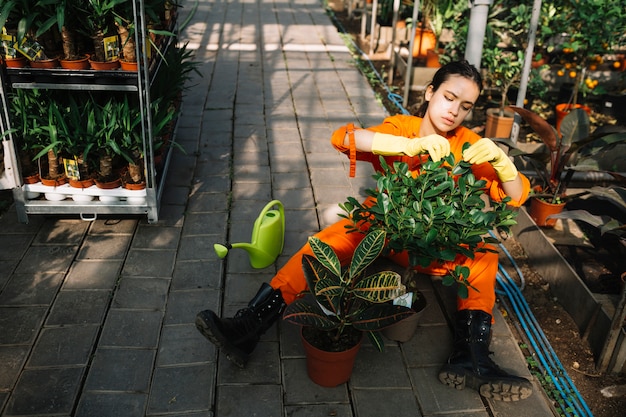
(404, 300)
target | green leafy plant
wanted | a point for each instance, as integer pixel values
(576, 148)
(434, 216)
(343, 298)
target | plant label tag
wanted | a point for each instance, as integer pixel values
(404, 300)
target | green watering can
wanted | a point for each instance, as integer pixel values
(268, 237)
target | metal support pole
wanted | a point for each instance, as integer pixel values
(476, 31)
(409, 60)
(521, 95)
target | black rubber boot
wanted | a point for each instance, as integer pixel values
(238, 336)
(470, 364)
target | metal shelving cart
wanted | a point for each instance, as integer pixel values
(116, 201)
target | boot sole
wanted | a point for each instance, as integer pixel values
(499, 389)
(214, 336)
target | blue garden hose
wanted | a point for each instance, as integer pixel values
(572, 403)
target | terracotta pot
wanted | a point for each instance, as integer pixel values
(104, 65)
(424, 40)
(563, 109)
(45, 63)
(404, 330)
(498, 126)
(329, 369)
(82, 183)
(540, 210)
(75, 64)
(31, 179)
(135, 186)
(432, 59)
(54, 183)
(17, 62)
(109, 185)
(128, 65)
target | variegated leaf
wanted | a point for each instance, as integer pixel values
(325, 254)
(367, 251)
(380, 287)
(305, 313)
(379, 316)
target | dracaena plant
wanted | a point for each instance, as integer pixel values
(434, 216)
(344, 297)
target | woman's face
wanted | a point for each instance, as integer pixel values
(449, 104)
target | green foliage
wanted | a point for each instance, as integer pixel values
(434, 216)
(344, 296)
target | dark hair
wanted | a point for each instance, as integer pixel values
(462, 68)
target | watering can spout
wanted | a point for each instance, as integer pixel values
(268, 237)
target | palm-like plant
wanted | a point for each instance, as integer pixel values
(343, 298)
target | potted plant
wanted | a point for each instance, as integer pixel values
(433, 217)
(342, 304)
(503, 69)
(564, 153)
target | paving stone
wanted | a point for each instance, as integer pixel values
(211, 184)
(418, 353)
(14, 246)
(93, 274)
(171, 215)
(213, 223)
(374, 369)
(112, 404)
(261, 400)
(12, 359)
(31, 289)
(149, 237)
(79, 307)
(433, 396)
(316, 410)
(6, 271)
(120, 370)
(45, 391)
(183, 306)
(299, 389)
(252, 191)
(198, 247)
(263, 368)
(376, 402)
(241, 288)
(142, 293)
(149, 263)
(62, 232)
(132, 328)
(204, 202)
(183, 344)
(197, 274)
(178, 389)
(112, 225)
(176, 194)
(107, 247)
(20, 325)
(60, 346)
(47, 259)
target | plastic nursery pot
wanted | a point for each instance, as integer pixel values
(498, 126)
(54, 182)
(17, 62)
(45, 63)
(75, 64)
(128, 65)
(329, 369)
(82, 183)
(540, 210)
(563, 109)
(104, 65)
(109, 185)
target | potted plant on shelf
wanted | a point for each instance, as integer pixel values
(574, 148)
(434, 217)
(342, 304)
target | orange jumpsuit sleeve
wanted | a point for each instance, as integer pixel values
(408, 126)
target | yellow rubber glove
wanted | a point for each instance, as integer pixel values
(437, 146)
(485, 150)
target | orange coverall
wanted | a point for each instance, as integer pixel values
(290, 278)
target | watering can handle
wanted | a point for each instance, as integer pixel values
(281, 209)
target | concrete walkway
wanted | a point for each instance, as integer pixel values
(96, 318)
